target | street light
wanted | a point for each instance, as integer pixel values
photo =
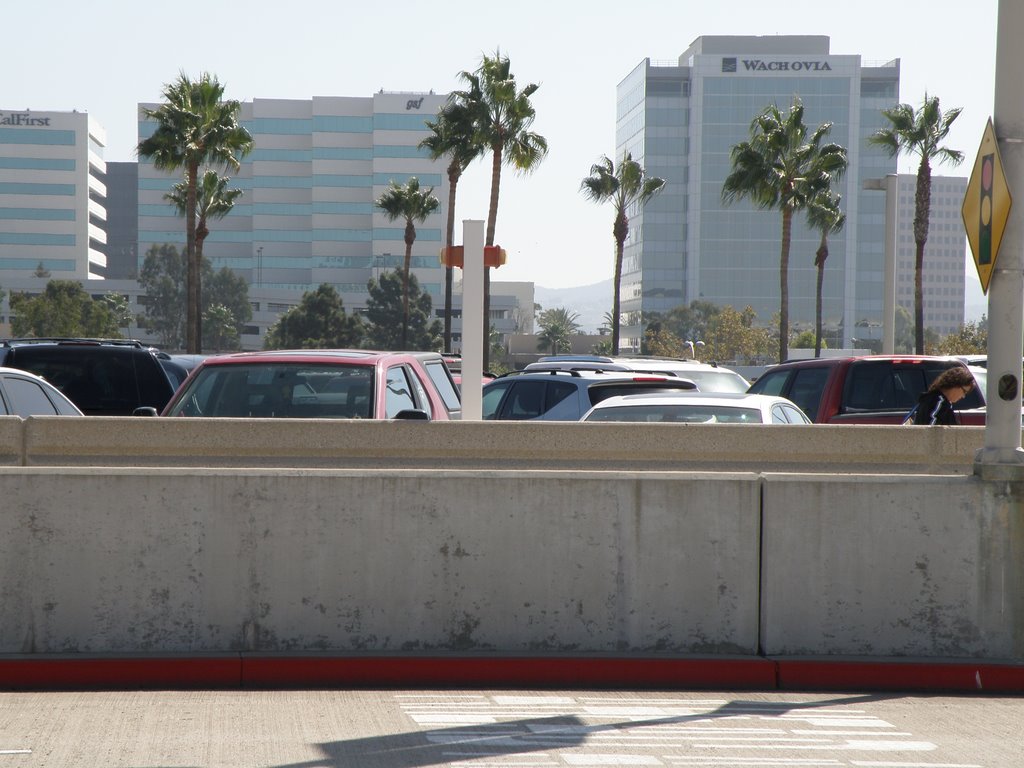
(692, 345)
(889, 186)
(259, 265)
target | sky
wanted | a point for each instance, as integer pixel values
(106, 56)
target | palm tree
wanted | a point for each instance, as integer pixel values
(452, 137)
(195, 127)
(782, 167)
(626, 186)
(556, 326)
(213, 201)
(824, 214)
(407, 201)
(502, 118)
(920, 133)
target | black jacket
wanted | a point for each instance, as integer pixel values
(933, 408)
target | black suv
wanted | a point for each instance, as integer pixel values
(103, 377)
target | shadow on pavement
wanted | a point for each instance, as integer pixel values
(440, 746)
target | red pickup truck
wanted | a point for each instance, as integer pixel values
(875, 389)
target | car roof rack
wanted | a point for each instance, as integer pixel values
(72, 340)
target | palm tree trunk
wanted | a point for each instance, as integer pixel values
(617, 293)
(787, 232)
(410, 237)
(193, 340)
(454, 172)
(492, 218)
(819, 262)
(922, 211)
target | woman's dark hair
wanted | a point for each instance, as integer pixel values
(957, 376)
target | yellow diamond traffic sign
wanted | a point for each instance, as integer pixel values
(986, 206)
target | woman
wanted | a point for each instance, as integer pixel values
(935, 406)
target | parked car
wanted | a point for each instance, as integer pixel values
(25, 394)
(103, 377)
(698, 408)
(565, 395)
(874, 389)
(709, 377)
(317, 383)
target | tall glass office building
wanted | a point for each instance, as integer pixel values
(307, 215)
(52, 196)
(681, 119)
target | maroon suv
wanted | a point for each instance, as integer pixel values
(877, 389)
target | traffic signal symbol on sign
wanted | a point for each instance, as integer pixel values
(986, 206)
(985, 210)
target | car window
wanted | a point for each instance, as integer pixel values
(779, 415)
(398, 392)
(278, 390)
(525, 401)
(770, 383)
(491, 398)
(420, 391)
(806, 389)
(444, 384)
(872, 385)
(27, 398)
(793, 415)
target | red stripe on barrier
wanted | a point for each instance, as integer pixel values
(746, 672)
(133, 672)
(808, 674)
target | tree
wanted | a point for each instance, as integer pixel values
(733, 335)
(385, 311)
(318, 322)
(62, 309)
(163, 282)
(120, 310)
(920, 133)
(970, 339)
(195, 127)
(556, 326)
(213, 201)
(825, 215)
(407, 201)
(41, 270)
(782, 167)
(452, 137)
(502, 118)
(660, 341)
(219, 331)
(687, 323)
(626, 187)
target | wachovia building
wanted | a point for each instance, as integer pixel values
(681, 119)
(52, 197)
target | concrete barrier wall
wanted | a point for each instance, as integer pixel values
(92, 441)
(892, 566)
(245, 536)
(161, 560)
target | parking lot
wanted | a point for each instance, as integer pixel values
(495, 729)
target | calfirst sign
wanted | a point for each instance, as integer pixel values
(23, 118)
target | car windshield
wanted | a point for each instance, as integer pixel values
(678, 413)
(716, 381)
(279, 390)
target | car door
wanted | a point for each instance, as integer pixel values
(398, 392)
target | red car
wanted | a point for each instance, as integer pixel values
(319, 384)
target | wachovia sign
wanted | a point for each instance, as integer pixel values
(759, 65)
(22, 118)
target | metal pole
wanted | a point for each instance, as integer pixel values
(1002, 456)
(889, 303)
(472, 319)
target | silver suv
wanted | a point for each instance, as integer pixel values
(565, 395)
(709, 377)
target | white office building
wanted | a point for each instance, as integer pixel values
(52, 199)
(681, 119)
(945, 253)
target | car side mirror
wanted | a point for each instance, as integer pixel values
(413, 414)
(145, 410)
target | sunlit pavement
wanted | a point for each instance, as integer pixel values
(495, 729)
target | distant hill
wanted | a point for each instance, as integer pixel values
(590, 302)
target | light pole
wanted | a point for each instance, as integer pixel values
(259, 265)
(693, 345)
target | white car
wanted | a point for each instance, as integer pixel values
(708, 377)
(698, 408)
(25, 394)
